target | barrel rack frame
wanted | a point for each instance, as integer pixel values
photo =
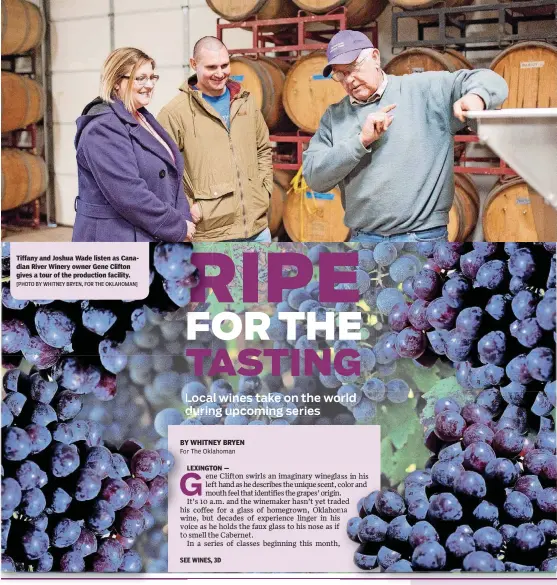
(288, 39)
(498, 18)
(39, 69)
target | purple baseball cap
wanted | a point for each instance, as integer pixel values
(344, 48)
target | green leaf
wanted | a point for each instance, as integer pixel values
(446, 388)
(397, 463)
(398, 421)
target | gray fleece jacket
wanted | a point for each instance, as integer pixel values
(404, 181)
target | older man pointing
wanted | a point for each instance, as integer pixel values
(389, 143)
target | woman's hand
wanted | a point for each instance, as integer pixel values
(191, 231)
(196, 213)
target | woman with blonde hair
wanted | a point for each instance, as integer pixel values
(129, 169)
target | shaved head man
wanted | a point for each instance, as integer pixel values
(228, 174)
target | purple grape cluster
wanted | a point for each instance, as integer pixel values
(487, 500)
(490, 310)
(486, 503)
(70, 501)
(80, 343)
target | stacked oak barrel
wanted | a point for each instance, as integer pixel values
(24, 175)
(295, 96)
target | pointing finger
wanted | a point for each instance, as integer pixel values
(388, 108)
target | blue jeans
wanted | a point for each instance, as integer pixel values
(262, 237)
(437, 234)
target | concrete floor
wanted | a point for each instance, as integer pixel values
(43, 234)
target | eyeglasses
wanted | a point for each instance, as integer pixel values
(341, 75)
(143, 79)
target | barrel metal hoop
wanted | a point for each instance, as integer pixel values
(29, 178)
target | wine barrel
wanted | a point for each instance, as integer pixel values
(529, 70)
(281, 184)
(315, 217)
(514, 212)
(264, 79)
(22, 101)
(358, 12)
(464, 213)
(24, 177)
(307, 94)
(423, 59)
(238, 10)
(22, 27)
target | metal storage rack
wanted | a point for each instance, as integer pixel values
(502, 23)
(287, 39)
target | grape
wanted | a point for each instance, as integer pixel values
(364, 559)
(387, 299)
(498, 306)
(477, 456)
(524, 304)
(471, 484)
(449, 426)
(486, 513)
(131, 562)
(402, 566)
(398, 530)
(545, 314)
(146, 464)
(172, 261)
(422, 532)
(352, 528)
(366, 260)
(522, 263)
(139, 492)
(460, 544)
(32, 502)
(410, 343)
(426, 284)
(479, 562)
(445, 507)
(390, 504)
(541, 364)
(16, 445)
(111, 550)
(528, 537)
(501, 471)
(372, 529)
(54, 327)
(98, 320)
(397, 391)
(15, 335)
(130, 522)
(491, 348)
(385, 253)
(165, 418)
(35, 544)
(440, 314)
(488, 539)
(402, 268)
(429, 556)
(547, 501)
(374, 389)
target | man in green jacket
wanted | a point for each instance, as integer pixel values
(228, 173)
